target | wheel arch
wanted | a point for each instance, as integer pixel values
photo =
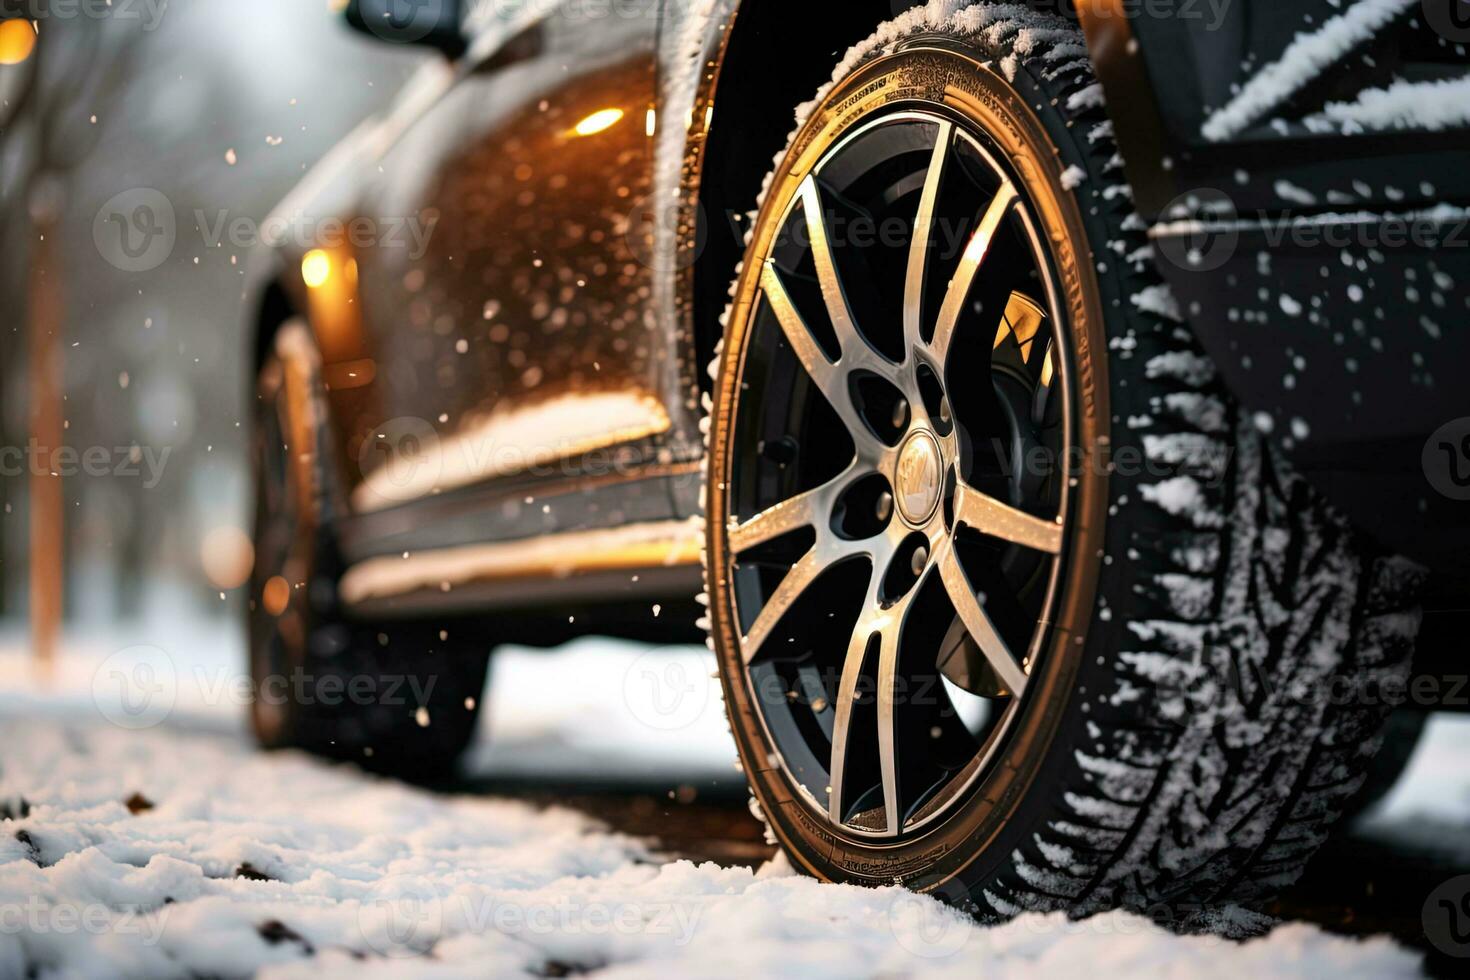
(746, 133)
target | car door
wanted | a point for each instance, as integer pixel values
(506, 316)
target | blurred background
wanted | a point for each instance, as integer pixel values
(221, 106)
(125, 503)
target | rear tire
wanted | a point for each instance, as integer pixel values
(401, 698)
(1190, 728)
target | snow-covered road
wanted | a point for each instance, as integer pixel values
(178, 850)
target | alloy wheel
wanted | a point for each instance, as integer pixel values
(895, 519)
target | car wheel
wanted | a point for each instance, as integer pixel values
(1012, 603)
(399, 697)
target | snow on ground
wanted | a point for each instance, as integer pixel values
(178, 850)
(1429, 809)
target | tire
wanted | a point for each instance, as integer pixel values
(1181, 739)
(400, 698)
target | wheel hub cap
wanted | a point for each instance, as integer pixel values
(919, 478)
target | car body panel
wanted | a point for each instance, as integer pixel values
(1325, 271)
(496, 332)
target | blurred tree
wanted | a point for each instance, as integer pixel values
(220, 107)
(71, 57)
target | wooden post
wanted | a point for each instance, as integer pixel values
(47, 511)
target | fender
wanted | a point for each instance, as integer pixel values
(693, 40)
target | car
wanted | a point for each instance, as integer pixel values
(1059, 446)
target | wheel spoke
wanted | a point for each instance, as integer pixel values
(797, 580)
(832, 292)
(1042, 366)
(887, 624)
(856, 352)
(810, 508)
(887, 742)
(822, 371)
(989, 516)
(828, 377)
(913, 305)
(852, 670)
(827, 551)
(964, 276)
(967, 605)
